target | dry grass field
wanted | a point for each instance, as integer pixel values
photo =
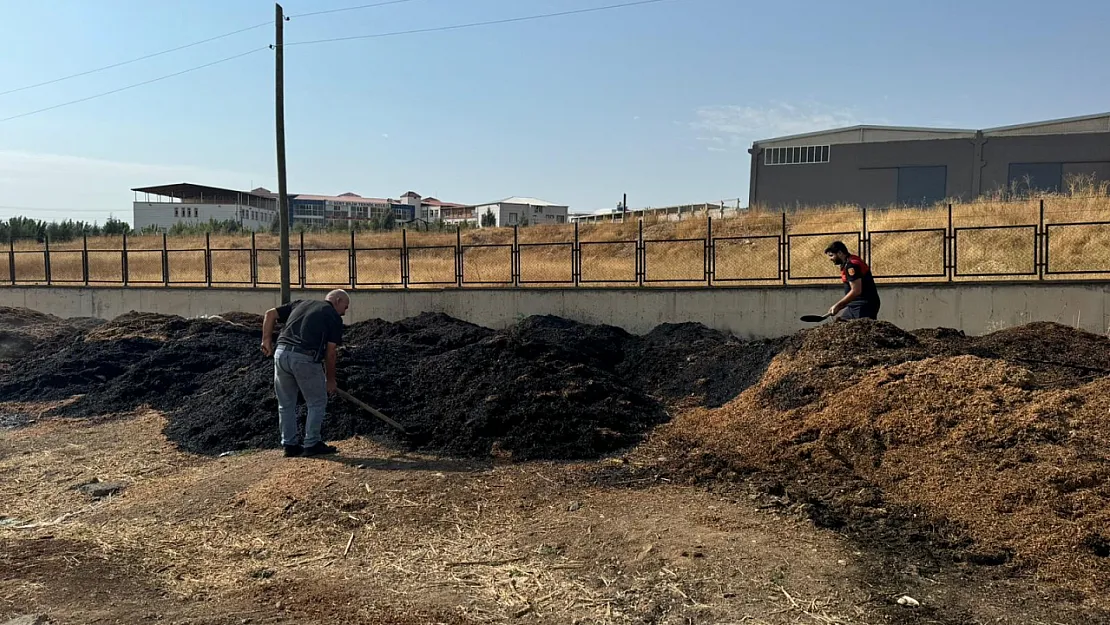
(993, 239)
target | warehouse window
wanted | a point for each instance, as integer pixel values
(796, 155)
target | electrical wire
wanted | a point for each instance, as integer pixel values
(510, 20)
(189, 45)
(134, 85)
(363, 6)
(135, 60)
(373, 36)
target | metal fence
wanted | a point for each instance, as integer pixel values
(950, 252)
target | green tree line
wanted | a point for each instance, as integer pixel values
(25, 228)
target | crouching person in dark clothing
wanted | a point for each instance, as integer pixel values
(861, 298)
(304, 363)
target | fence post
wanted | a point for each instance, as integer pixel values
(254, 261)
(208, 259)
(458, 257)
(85, 259)
(302, 264)
(46, 258)
(576, 259)
(641, 254)
(1040, 255)
(165, 261)
(11, 255)
(865, 239)
(709, 253)
(123, 261)
(784, 252)
(950, 247)
(352, 267)
(515, 256)
(404, 258)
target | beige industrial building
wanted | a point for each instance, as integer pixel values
(889, 165)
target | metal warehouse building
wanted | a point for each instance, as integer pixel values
(885, 165)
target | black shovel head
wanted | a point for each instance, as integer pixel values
(814, 318)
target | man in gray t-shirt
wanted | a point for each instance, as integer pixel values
(304, 363)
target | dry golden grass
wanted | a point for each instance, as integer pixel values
(993, 237)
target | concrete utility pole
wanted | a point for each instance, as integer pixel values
(283, 190)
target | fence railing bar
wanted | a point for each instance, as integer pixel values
(404, 258)
(124, 262)
(514, 258)
(85, 259)
(352, 264)
(708, 255)
(302, 263)
(458, 258)
(784, 254)
(576, 259)
(46, 259)
(653, 263)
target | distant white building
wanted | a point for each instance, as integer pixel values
(720, 209)
(520, 211)
(161, 207)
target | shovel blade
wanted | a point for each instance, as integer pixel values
(814, 318)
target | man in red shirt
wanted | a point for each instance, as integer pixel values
(861, 298)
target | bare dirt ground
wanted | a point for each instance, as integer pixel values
(375, 537)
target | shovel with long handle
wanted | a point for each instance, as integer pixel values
(815, 318)
(368, 408)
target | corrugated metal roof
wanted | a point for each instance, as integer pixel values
(181, 190)
(866, 134)
(880, 134)
(1068, 125)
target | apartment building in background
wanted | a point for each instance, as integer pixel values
(895, 165)
(161, 207)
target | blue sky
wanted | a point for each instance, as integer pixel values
(660, 101)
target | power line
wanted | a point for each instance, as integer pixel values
(132, 86)
(134, 60)
(364, 6)
(187, 46)
(373, 36)
(510, 20)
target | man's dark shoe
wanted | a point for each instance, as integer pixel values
(319, 449)
(292, 451)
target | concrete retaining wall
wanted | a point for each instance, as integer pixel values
(746, 312)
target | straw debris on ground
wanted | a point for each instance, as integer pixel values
(969, 473)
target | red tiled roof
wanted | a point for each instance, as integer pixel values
(344, 198)
(435, 202)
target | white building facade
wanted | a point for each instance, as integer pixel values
(520, 211)
(162, 207)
